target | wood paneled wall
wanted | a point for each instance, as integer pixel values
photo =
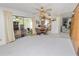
(75, 28)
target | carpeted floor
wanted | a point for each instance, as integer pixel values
(43, 45)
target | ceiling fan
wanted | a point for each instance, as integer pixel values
(40, 9)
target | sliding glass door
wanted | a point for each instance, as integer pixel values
(22, 26)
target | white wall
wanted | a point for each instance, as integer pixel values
(19, 13)
(56, 25)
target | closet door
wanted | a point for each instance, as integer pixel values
(9, 26)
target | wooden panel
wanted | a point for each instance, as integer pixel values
(75, 28)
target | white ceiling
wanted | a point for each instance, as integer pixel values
(57, 8)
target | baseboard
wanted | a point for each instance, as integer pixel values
(2, 42)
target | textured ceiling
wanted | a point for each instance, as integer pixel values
(57, 8)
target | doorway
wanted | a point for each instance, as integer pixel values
(66, 24)
(22, 26)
